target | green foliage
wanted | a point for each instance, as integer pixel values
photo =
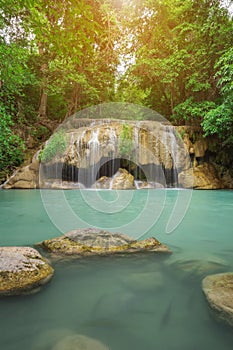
(191, 112)
(11, 146)
(219, 120)
(177, 58)
(57, 107)
(40, 133)
(174, 49)
(55, 147)
(126, 145)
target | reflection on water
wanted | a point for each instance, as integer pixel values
(125, 302)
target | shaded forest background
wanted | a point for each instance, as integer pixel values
(58, 57)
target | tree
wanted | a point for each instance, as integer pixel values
(175, 47)
(11, 146)
(219, 120)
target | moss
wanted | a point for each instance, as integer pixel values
(24, 280)
(66, 246)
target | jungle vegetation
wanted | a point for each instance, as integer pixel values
(58, 57)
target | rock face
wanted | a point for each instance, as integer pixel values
(201, 177)
(168, 155)
(218, 290)
(152, 146)
(22, 270)
(89, 241)
(24, 178)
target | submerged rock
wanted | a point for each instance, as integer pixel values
(197, 267)
(144, 281)
(22, 270)
(66, 339)
(218, 290)
(79, 342)
(90, 241)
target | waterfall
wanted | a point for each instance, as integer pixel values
(170, 146)
(92, 152)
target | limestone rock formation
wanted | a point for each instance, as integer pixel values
(25, 178)
(140, 185)
(56, 184)
(159, 150)
(90, 241)
(123, 180)
(203, 177)
(218, 290)
(22, 270)
(103, 183)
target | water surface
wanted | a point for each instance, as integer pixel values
(127, 302)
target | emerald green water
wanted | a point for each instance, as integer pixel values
(136, 302)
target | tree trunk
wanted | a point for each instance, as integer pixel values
(43, 103)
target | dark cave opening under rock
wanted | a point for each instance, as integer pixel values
(108, 168)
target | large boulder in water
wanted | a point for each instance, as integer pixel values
(90, 241)
(103, 183)
(123, 180)
(22, 270)
(218, 290)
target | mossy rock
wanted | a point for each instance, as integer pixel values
(218, 290)
(90, 241)
(22, 271)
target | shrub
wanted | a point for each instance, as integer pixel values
(12, 147)
(126, 146)
(55, 146)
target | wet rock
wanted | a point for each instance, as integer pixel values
(140, 185)
(55, 184)
(203, 177)
(144, 281)
(103, 183)
(197, 267)
(200, 267)
(66, 339)
(24, 178)
(79, 342)
(90, 241)
(111, 305)
(123, 180)
(22, 270)
(218, 290)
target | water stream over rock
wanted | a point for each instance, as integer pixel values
(153, 153)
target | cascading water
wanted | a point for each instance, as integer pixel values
(93, 152)
(93, 156)
(170, 145)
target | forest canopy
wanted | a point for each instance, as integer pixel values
(58, 57)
